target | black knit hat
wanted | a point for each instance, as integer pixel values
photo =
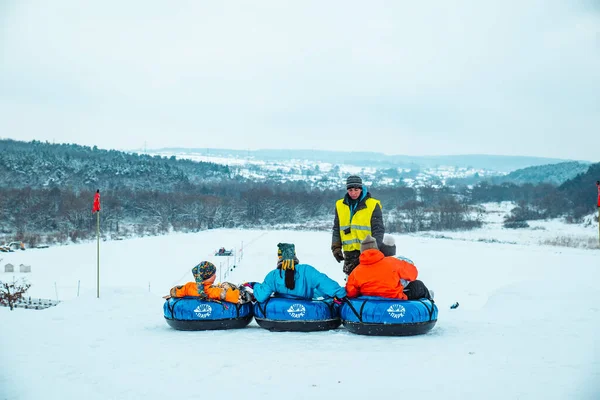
(354, 181)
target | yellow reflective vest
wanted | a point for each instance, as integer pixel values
(360, 226)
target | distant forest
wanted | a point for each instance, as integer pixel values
(46, 194)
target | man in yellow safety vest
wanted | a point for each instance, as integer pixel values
(356, 216)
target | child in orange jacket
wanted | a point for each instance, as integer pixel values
(205, 288)
(389, 277)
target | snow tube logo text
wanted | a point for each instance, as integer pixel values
(203, 310)
(297, 310)
(396, 311)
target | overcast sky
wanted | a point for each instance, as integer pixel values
(514, 77)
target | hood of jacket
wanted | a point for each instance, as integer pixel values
(363, 197)
(371, 256)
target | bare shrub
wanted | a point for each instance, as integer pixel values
(56, 238)
(78, 234)
(12, 292)
(31, 239)
(515, 224)
(538, 228)
(578, 242)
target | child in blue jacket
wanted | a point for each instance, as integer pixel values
(291, 278)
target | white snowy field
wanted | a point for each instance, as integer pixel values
(540, 232)
(526, 327)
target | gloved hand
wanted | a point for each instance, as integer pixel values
(338, 255)
(247, 289)
(349, 265)
(248, 284)
(339, 301)
(246, 295)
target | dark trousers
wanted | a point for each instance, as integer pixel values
(416, 290)
(351, 261)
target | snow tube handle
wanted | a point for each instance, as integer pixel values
(171, 305)
(430, 310)
(264, 310)
(359, 316)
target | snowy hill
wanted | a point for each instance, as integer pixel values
(44, 165)
(555, 174)
(326, 168)
(46, 190)
(498, 163)
(525, 329)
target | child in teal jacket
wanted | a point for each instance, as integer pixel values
(291, 278)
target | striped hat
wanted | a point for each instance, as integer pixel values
(354, 181)
(287, 260)
(286, 254)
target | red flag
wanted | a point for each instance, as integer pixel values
(598, 184)
(96, 206)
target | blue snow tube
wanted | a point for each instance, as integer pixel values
(378, 316)
(194, 314)
(289, 314)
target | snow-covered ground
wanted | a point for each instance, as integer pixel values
(554, 232)
(526, 327)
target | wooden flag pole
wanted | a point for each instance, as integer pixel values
(98, 254)
(96, 209)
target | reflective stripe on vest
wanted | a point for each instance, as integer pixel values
(360, 226)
